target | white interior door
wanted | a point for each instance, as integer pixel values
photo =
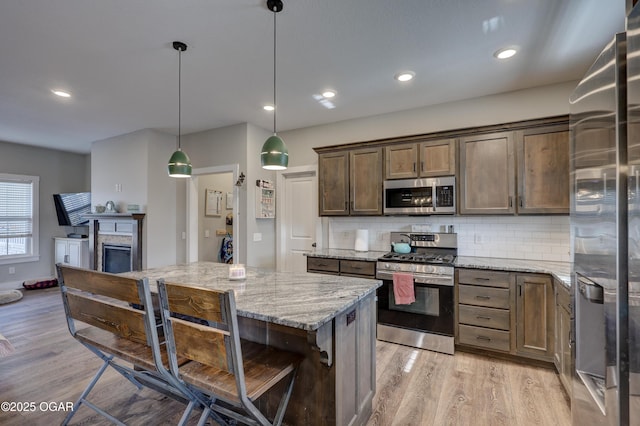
(298, 221)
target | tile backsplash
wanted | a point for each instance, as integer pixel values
(513, 237)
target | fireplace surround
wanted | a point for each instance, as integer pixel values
(115, 229)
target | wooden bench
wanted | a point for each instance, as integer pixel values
(201, 325)
(114, 318)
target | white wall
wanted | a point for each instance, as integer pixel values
(59, 172)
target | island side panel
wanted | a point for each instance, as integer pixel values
(313, 398)
(340, 393)
(355, 359)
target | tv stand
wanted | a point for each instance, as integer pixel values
(76, 235)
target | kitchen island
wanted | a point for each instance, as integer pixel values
(328, 319)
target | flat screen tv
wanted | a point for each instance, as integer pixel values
(72, 207)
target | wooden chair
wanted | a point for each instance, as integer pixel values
(113, 317)
(201, 325)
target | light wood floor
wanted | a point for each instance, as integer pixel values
(414, 387)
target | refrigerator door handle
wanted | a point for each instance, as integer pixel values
(590, 290)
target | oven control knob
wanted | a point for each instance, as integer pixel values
(397, 267)
(413, 268)
(387, 266)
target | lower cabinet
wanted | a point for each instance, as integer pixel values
(506, 312)
(563, 338)
(484, 309)
(72, 251)
(535, 317)
(347, 267)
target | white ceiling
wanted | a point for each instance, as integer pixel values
(115, 56)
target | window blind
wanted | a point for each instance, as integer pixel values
(16, 216)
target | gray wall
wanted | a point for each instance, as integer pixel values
(59, 172)
(138, 162)
(544, 101)
(239, 144)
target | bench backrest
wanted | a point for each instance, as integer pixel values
(107, 301)
(200, 324)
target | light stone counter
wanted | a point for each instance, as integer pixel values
(347, 254)
(299, 300)
(560, 270)
(329, 320)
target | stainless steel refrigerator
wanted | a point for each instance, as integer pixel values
(605, 226)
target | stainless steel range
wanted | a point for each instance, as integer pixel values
(427, 323)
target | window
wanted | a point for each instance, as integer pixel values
(18, 218)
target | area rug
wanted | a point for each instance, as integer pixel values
(8, 296)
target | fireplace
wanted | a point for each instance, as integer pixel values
(118, 230)
(116, 258)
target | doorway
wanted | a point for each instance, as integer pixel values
(298, 225)
(212, 211)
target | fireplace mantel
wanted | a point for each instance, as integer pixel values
(135, 219)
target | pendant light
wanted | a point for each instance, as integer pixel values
(274, 154)
(179, 163)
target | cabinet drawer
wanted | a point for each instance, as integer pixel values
(484, 337)
(321, 264)
(484, 317)
(485, 278)
(484, 296)
(358, 267)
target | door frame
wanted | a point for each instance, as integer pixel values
(192, 209)
(281, 216)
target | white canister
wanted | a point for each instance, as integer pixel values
(362, 240)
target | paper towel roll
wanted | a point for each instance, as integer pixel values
(362, 240)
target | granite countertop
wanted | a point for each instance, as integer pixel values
(560, 270)
(298, 300)
(346, 254)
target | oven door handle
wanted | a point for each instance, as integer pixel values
(437, 280)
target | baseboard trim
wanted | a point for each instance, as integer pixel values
(11, 285)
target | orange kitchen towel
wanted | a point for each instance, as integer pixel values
(403, 288)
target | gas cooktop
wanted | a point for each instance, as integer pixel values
(419, 257)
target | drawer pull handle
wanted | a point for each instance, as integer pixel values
(485, 338)
(482, 279)
(483, 297)
(483, 318)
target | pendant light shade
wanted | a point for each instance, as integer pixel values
(179, 164)
(274, 154)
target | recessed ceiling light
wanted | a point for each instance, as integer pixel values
(505, 53)
(329, 93)
(61, 93)
(405, 76)
(268, 107)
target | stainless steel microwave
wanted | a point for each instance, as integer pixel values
(420, 196)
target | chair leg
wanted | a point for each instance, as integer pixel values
(277, 421)
(86, 391)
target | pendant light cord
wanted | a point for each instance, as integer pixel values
(179, 96)
(275, 105)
